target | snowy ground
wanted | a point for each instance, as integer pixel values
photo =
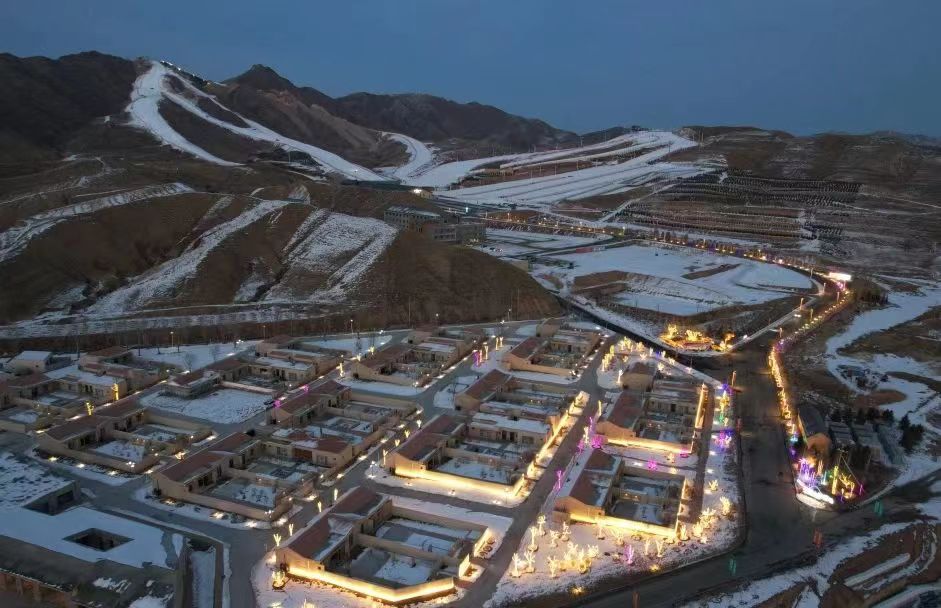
(662, 286)
(382, 387)
(163, 282)
(203, 565)
(353, 345)
(903, 307)
(506, 243)
(194, 356)
(14, 239)
(224, 406)
(601, 179)
(817, 574)
(611, 562)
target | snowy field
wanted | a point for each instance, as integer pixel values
(353, 345)
(194, 356)
(658, 282)
(224, 406)
(507, 243)
(903, 307)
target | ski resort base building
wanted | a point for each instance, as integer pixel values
(368, 545)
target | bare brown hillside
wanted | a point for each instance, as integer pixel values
(417, 278)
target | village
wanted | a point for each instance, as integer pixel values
(376, 467)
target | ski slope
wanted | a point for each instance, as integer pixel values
(420, 156)
(151, 87)
(581, 183)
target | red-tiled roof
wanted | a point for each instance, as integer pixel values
(189, 377)
(388, 354)
(311, 541)
(120, 409)
(185, 468)
(111, 351)
(231, 443)
(359, 501)
(429, 436)
(69, 429)
(327, 387)
(599, 461)
(28, 380)
(628, 407)
(227, 364)
(527, 348)
(487, 384)
(334, 445)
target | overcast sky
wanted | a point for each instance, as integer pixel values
(802, 66)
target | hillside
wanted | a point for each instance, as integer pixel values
(44, 102)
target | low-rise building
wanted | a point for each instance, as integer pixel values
(639, 376)
(120, 362)
(555, 350)
(360, 542)
(36, 401)
(402, 364)
(124, 436)
(328, 424)
(608, 492)
(485, 452)
(813, 431)
(235, 475)
(666, 418)
(55, 552)
(35, 362)
(438, 226)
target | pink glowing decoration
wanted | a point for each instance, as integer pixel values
(277, 403)
(629, 554)
(558, 480)
(597, 441)
(652, 465)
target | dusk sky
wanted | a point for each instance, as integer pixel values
(801, 66)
